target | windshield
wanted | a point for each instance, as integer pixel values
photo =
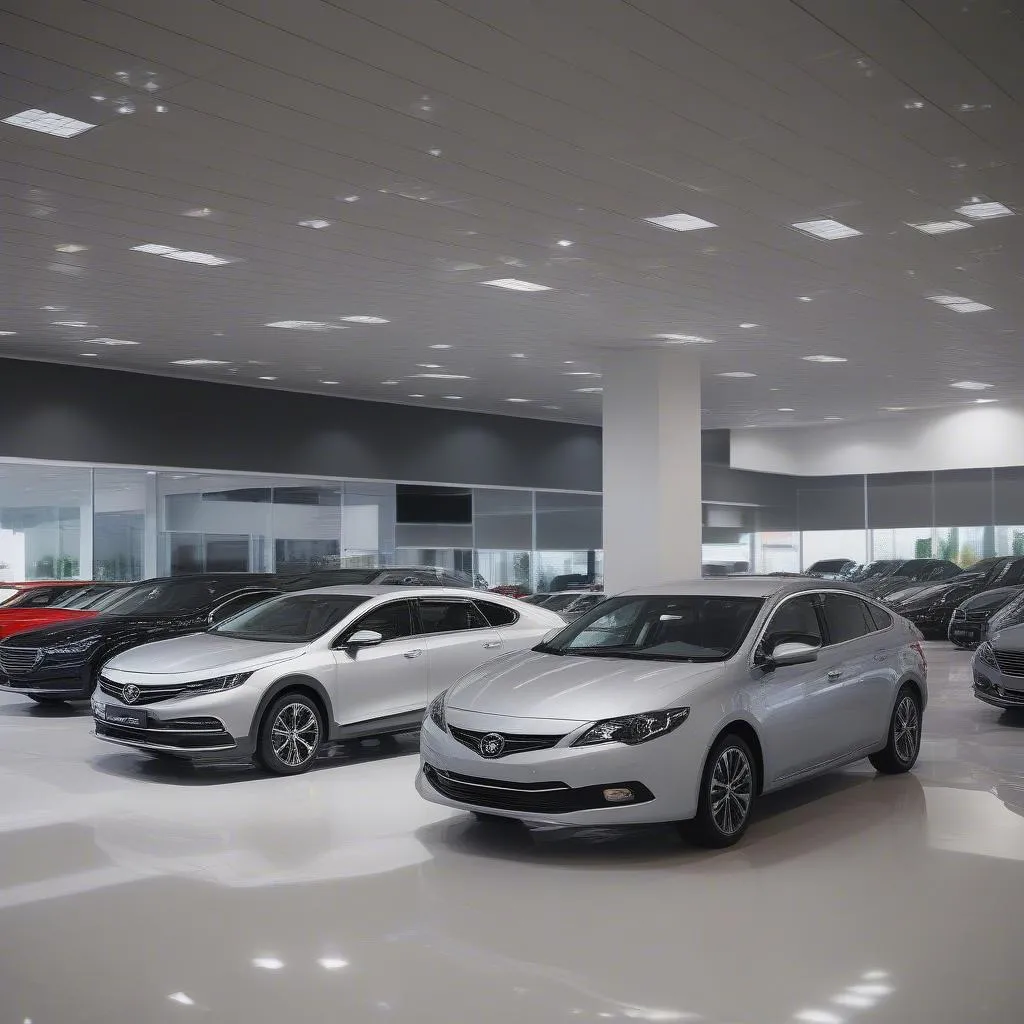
(675, 628)
(160, 598)
(294, 618)
(6, 593)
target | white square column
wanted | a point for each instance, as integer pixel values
(652, 467)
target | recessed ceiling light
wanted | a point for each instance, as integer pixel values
(970, 385)
(441, 346)
(985, 401)
(834, 419)
(416, 396)
(513, 284)
(54, 309)
(390, 382)
(940, 227)
(185, 255)
(181, 997)
(350, 199)
(89, 355)
(823, 359)
(564, 243)
(804, 298)
(453, 398)
(589, 391)
(199, 211)
(70, 247)
(896, 408)
(108, 341)
(736, 373)
(787, 409)
(520, 401)
(749, 327)
(959, 303)
(161, 108)
(315, 222)
(913, 104)
(7, 334)
(826, 228)
(199, 362)
(305, 325)
(268, 378)
(365, 319)
(685, 339)
(517, 355)
(429, 366)
(580, 373)
(49, 123)
(330, 382)
(441, 376)
(332, 963)
(434, 152)
(680, 222)
(268, 963)
(71, 323)
(984, 211)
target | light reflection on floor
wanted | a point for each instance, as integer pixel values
(135, 892)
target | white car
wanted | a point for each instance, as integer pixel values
(280, 679)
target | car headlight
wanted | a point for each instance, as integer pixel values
(72, 649)
(435, 711)
(633, 729)
(216, 685)
(987, 655)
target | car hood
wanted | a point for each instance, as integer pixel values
(532, 685)
(18, 620)
(203, 652)
(104, 626)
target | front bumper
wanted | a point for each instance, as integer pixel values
(561, 785)
(997, 689)
(61, 682)
(210, 728)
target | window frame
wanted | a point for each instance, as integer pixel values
(816, 598)
(516, 615)
(346, 632)
(823, 615)
(419, 601)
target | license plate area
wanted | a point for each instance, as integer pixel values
(114, 714)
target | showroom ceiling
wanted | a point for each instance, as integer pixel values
(384, 159)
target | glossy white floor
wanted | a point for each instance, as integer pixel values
(133, 892)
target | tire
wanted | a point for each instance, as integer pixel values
(290, 735)
(904, 736)
(715, 824)
(47, 702)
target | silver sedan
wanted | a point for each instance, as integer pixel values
(281, 679)
(681, 703)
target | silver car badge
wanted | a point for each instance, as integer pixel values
(130, 694)
(492, 744)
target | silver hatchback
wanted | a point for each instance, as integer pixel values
(283, 678)
(681, 703)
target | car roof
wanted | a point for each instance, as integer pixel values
(742, 586)
(383, 590)
(33, 584)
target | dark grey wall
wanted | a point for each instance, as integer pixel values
(50, 411)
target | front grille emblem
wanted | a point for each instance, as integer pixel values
(492, 744)
(130, 693)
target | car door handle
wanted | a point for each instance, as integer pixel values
(835, 673)
(414, 654)
(492, 643)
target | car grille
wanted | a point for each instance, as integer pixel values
(187, 733)
(147, 694)
(515, 744)
(527, 797)
(19, 660)
(985, 685)
(1011, 662)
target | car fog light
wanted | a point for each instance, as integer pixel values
(618, 795)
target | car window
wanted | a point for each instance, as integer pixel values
(38, 597)
(846, 617)
(292, 618)
(450, 616)
(393, 621)
(160, 598)
(401, 579)
(497, 614)
(879, 616)
(796, 621)
(234, 605)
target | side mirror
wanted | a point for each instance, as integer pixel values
(792, 654)
(364, 638)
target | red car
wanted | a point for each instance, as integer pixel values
(34, 605)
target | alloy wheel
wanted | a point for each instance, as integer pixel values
(906, 729)
(295, 734)
(732, 787)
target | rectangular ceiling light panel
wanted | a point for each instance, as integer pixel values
(185, 255)
(48, 123)
(305, 325)
(940, 227)
(959, 303)
(513, 284)
(680, 222)
(827, 229)
(984, 211)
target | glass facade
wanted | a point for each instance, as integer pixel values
(115, 523)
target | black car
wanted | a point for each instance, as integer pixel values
(970, 621)
(379, 576)
(914, 570)
(831, 568)
(62, 662)
(932, 610)
(1011, 614)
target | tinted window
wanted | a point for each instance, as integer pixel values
(879, 616)
(796, 621)
(450, 616)
(406, 578)
(847, 618)
(234, 605)
(674, 628)
(163, 598)
(293, 618)
(1013, 573)
(497, 614)
(393, 621)
(38, 597)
